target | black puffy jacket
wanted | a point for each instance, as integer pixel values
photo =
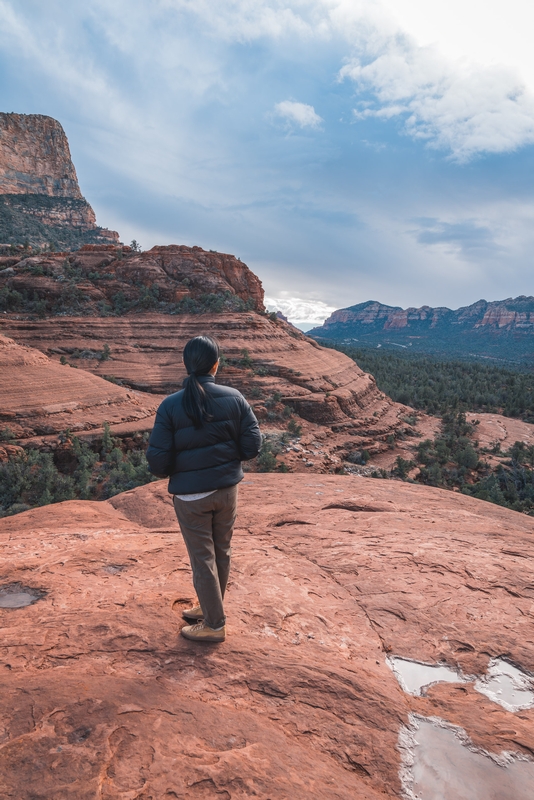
(207, 458)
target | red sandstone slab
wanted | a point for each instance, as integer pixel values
(331, 574)
(40, 397)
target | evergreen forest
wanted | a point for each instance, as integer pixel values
(436, 386)
(76, 471)
(454, 460)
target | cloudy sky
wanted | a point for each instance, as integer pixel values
(347, 150)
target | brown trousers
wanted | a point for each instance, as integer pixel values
(207, 526)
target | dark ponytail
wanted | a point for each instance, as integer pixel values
(200, 354)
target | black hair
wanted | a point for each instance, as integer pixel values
(200, 354)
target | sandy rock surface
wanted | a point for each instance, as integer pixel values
(40, 398)
(331, 575)
(493, 428)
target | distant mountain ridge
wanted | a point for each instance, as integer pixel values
(501, 329)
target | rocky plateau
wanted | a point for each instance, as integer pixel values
(334, 577)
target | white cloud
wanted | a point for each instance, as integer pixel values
(245, 20)
(465, 109)
(460, 107)
(248, 20)
(300, 114)
(488, 33)
(165, 103)
(297, 310)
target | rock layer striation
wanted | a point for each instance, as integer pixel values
(40, 398)
(86, 297)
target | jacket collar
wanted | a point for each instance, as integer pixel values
(205, 379)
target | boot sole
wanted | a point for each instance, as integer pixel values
(203, 639)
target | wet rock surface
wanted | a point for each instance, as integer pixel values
(16, 595)
(415, 677)
(446, 764)
(504, 683)
(507, 685)
(332, 575)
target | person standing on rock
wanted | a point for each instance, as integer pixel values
(200, 437)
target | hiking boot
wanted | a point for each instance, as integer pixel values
(203, 633)
(193, 613)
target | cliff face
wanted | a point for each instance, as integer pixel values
(494, 328)
(35, 157)
(510, 314)
(40, 199)
(196, 272)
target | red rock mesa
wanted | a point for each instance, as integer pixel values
(40, 200)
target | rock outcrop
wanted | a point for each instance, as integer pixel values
(332, 578)
(494, 328)
(494, 429)
(191, 291)
(35, 157)
(40, 199)
(40, 398)
(100, 280)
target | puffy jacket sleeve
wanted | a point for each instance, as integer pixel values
(160, 453)
(249, 433)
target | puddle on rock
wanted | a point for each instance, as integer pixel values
(414, 676)
(440, 762)
(507, 685)
(14, 595)
(503, 683)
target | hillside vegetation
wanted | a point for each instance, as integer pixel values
(31, 478)
(437, 386)
(454, 459)
(38, 220)
(111, 280)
